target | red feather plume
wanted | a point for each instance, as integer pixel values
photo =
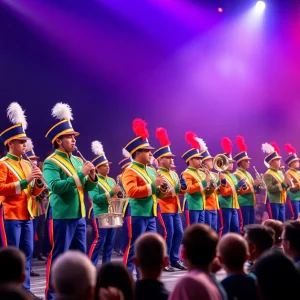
(289, 149)
(190, 138)
(226, 145)
(162, 136)
(139, 128)
(240, 142)
(275, 146)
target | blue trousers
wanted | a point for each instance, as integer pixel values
(136, 227)
(194, 216)
(102, 237)
(123, 237)
(211, 219)
(295, 208)
(19, 234)
(278, 211)
(248, 214)
(173, 231)
(64, 234)
(230, 219)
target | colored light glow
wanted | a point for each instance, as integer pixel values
(220, 9)
(260, 6)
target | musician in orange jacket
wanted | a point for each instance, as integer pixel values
(18, 183)
(169, 205)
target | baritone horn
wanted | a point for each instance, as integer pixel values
(221, 162)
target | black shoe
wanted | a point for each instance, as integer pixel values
(42, 258)
(33, 296)
(169, 269)
(34, 274)
(179, 265)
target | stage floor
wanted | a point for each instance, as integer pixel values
(38, 283)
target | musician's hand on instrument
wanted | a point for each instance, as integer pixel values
(87, 167)
(183, 183)
(35, 174)
(208, 178)
(93, 173)
(257, 182)
(116, 189)
(158, 181)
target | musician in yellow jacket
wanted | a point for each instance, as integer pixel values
(18, 183)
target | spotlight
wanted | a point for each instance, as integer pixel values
(220, 9)
(260, 6)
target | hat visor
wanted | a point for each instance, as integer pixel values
(22, 138)
(70, 133)
(168, 155)
(276, 157)
(146, 148)
(207, 157)
(34, 157)
(295, 159)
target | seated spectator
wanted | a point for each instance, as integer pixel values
(12, 266)
(199, 250)
(117, 276)
(233, 252)
(291, 240)
(150, 257)
(277, 227)
(259, 239)
(277, 276)
(74, 277)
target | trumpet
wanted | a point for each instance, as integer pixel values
(38, 180)
(291, 183)
(260, 178)
(221, 162)
(212, 182)
(165, 187)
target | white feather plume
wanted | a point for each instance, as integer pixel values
(97, 148)
(16, 114)
(62, 111)
(202, 144)
(126, 153)
(267, 148)
(29, 145)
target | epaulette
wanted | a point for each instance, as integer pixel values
(78, 157)
(4, 158)
(50, 156)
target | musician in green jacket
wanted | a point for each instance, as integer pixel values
(100, 195)
(67, 178)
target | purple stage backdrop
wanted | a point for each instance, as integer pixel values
(176, 64)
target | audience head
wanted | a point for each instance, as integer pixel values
(277, 276)
(259, 238)
(74, 276)
(199, 246)
(233, 252)
(277, 227)
(12, 292)
(117, 276)
(291, 238)
(12, 266)
(150, 254)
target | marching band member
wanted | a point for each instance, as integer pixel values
(228, 197)
(142, 185)
(3, 239)
(294, 192)
(247, 194)
(169, 206)
(276, 181)
(196, 181)
(123, 236)
(18, 183)
(105, 190)
(67, 178)
(212, 207)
